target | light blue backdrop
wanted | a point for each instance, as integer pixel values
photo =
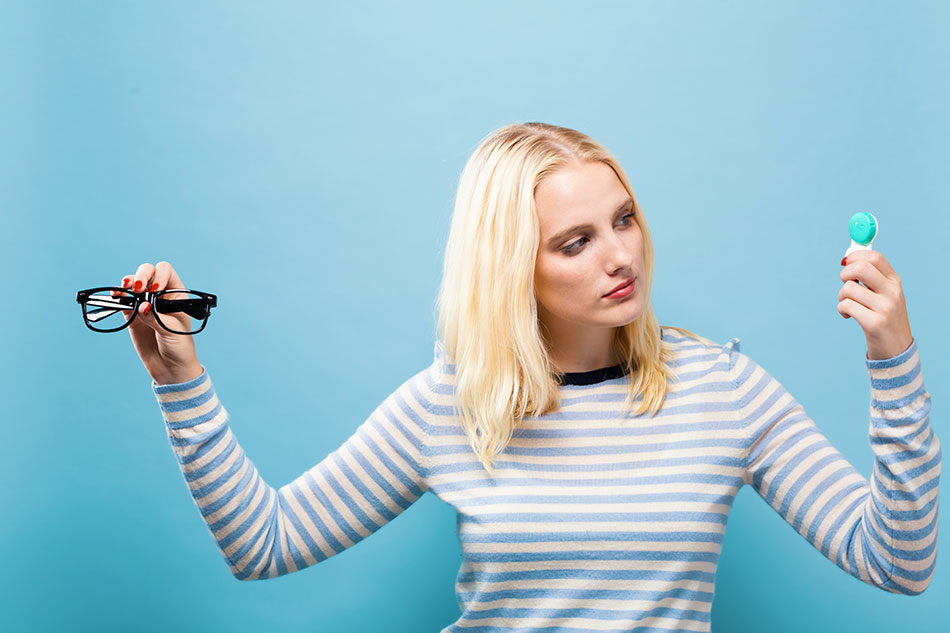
(307, 154)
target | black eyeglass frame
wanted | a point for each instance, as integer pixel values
(198, 309)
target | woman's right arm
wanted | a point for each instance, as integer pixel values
(262, 532)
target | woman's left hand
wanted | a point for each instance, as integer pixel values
(878, 308)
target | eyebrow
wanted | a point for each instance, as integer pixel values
(562, 234)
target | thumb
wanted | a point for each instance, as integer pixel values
(145, 318)
(142, 330)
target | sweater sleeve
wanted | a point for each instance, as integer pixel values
(370, 479)
(882, 531)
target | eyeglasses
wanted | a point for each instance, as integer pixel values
(179, 311)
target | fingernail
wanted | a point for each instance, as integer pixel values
(138, 285)
(154, 287)
(147, 308)
(844, 260)
(125, 281)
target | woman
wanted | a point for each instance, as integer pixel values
(592, 455)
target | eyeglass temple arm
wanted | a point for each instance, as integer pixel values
(107, 306)
(197, 308)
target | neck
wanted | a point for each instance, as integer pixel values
(575, 352)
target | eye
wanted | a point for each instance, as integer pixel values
(575, 246)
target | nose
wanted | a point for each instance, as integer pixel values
(619, 254)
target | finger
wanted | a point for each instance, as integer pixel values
(146, 314)
(866, 297)
(143, 323)
(163, 273)
(126, 282)
(842, 311)
(876, 259)
(850, 308)
(166, 277)
(143, 277)
(864, 270)
(143, 337)
(865, 317)
(144, 318)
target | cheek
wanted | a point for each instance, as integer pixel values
(560, 281)
(547, 276)
(638, 242)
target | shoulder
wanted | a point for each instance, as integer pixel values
(409, 404)
(419, 390)
(429, 385)
(698, 360)
(424, 385)
(690, 346)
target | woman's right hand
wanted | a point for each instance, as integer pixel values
(168, 357)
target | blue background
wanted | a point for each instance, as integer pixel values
(308, 155)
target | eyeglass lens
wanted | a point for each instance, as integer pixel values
(109, 309)
(181, 311)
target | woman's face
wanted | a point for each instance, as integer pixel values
(574, 271)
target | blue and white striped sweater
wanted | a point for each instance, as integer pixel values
(591, 522)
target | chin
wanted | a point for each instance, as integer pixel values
(632, 316)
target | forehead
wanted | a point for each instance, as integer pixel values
(578, 190)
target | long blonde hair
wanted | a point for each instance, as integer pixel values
(487, 311)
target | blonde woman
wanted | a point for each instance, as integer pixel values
(592, 455)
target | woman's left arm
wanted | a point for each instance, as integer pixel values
(882, 531)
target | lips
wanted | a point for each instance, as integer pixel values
(622, 285)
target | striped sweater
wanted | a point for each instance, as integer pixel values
(590, 522)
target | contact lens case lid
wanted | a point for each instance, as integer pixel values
(863, 228)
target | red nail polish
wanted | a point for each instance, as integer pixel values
(154, 287)
(138, 285)
(844, 260)
(125, 281)
(147, 308)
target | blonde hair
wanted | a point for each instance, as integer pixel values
(487, 311)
